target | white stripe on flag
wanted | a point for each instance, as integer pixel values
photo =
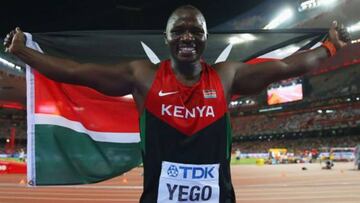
(48, 119)
(281, 53)
(30, 98)
(316, 45)
(150, 54)
(224, 54)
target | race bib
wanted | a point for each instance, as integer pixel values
(188, 183)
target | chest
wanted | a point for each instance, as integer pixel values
(188, 108)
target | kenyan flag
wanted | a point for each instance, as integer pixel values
(77, 135)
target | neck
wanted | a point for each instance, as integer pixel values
(188, 71)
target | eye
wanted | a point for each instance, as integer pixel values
(176, 31)
(198, 32)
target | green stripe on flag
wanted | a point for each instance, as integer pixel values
(142, 130)
(64, 156)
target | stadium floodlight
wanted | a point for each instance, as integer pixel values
(18, 68)
(235, 103)
(10, 65)
(354, 28)
(355, 41)
(234, 40)
(326, 2)
(241, 38)
(6, 62)
(311, 4)
(284, 15)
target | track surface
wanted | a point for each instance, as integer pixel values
(270, 184)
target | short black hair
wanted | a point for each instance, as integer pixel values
(187, 7)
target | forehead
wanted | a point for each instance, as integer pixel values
(186, 18)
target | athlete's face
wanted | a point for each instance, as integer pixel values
(186, 35)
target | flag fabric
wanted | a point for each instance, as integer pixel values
(77, 135)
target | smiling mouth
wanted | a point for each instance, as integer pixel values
(186, 50)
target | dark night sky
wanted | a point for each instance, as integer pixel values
(56, 15)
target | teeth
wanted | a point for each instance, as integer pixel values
(187, 50)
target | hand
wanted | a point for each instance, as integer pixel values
(339, 36)
(14, 41)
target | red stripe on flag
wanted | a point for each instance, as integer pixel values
(94, 110)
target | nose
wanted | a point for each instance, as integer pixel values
(187, 36)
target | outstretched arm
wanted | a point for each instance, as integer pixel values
(109, 79)
(251, 79)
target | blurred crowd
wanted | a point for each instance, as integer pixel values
(19, 127)
(331, 117)
(6, 125)
(297, 145)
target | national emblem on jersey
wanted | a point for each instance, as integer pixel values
(209, 94)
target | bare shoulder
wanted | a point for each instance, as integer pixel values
(226, 71)
(144, 74)
(142, 64)
(228, 66)
(143, 69)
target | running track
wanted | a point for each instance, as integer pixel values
(270, 184)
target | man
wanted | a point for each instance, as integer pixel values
(185, 129)
(357, 157)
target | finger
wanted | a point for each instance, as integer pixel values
(332, 31)
(5, 40)
(17, 29)
(11, 34)
(334, 25)
(8, 36)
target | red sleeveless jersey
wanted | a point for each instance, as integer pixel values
(186, 140)
(186, 108)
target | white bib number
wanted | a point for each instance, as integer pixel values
(188, 183)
